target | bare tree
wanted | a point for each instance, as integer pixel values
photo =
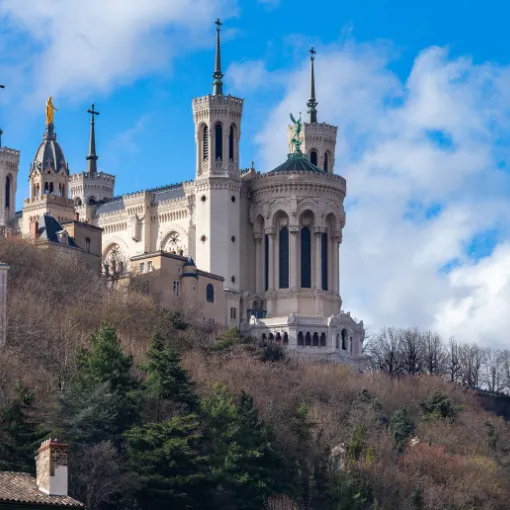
(453, 360)
(471, 359)
(383, 352)
(493, 376)
(434, 354)
(410, 350)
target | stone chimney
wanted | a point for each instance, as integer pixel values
(34, 228)
(51, 467)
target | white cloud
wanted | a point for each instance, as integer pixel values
(387, 149)
(84, 46)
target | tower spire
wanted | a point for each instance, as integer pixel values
(312, 102)
(218, 75)
(92, 157)
(1, 132)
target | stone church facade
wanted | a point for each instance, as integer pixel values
(267, 243)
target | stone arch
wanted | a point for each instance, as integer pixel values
(314, 157)
(232, 140)
(218, 141)
(166, 235)
(277, 207)
(258, 225)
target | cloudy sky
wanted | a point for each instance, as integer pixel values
(420, 93)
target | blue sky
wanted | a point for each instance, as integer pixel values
(418, 90)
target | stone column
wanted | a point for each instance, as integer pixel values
(259, 263)
(271, 235)
(293, 257)
(335, 242)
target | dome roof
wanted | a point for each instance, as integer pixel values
(297, 162)
(50, 153)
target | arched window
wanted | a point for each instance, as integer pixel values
(271, 336)
(306, 258)
(337, 343)
(266, 262)
(313, 158)
(264, 337)
(326, 162)
(308, 338)
(315, 339)
(205, 146)
(324, 261)
(8, 192)
(323, 339)
(285, 338)
(284, 258)
(51, 188)
(231, 142)
(300, 339)
(77, 202)
(344, 340)
(92, 201)
(210, 293)
(218, 135)
(278, 337)
(46, 187)
(87, 245)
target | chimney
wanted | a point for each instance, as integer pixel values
(34, 228)
(51, 467)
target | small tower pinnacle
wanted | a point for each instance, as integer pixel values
(92, 157)
(1, 132)
(312, 102)
(218, 75)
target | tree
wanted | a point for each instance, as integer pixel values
(166, 380)
(100, 404)
(19, 436)
(384, 352)
(439, 406)
(247, 467)
(434, 354)
(168, 459)
(401, 426)
(410, 350)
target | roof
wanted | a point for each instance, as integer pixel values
(21, 488)
(50, 153)
(49, 227)
(297, 162)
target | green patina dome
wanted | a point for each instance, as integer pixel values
(297, 162)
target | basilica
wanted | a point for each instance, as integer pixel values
(256, 249)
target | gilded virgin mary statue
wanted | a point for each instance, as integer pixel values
(49, 111)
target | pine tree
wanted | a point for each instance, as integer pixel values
(166, 379)
(401, 426)
(19, 435)
(100, 404)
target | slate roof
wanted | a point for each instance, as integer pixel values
(21, 488)
(50, 152)
(297, 162)
(48, 228)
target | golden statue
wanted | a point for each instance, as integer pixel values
(49, 111)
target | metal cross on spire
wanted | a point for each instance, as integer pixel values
(218, 75)
(1, 132)
(92, 157)
(312, 102)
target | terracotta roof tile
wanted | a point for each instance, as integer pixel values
(22, 488)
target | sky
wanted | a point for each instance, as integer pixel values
(420, 92)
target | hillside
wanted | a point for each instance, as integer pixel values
(157, 417)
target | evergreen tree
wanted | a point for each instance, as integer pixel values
(439, 406)
(19, 437)
(167, 458)
(246, 464)
(100, 404)
(401, 426)
(166, 379)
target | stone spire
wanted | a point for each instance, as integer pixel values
(92, 157)
(1, 132)
(218, 75)
(312, 102)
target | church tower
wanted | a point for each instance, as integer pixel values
(49, 180)
(319, 139)
(217, 187)
(9, 167)
(90, 187)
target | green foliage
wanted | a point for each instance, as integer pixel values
(246, 465)
(492, 435)
(417, 499)
(401, 426)
(300, 426)
(99, 403)
(356, 444)
(227, 340)
(350, 492)
(439, 406)
(167, 458)
(166, 379)
(19, 435)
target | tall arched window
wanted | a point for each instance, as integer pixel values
(210, 293)
(306, 258)
(87, 245)
(266, 262)
(231, 142)
(46, 187)
(323, 339)
(324, 261)
(300, 338)
(344, 340)
(326, 161)
(205, 146)
(308, 338)
(284, 258)
(337, 342)
(313, 158)
(8, 192)
(315, 339)
(285, 338)
(51, 188)
(218, 142)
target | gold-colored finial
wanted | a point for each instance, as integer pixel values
(50, 109)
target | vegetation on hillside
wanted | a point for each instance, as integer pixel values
(159, 418)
